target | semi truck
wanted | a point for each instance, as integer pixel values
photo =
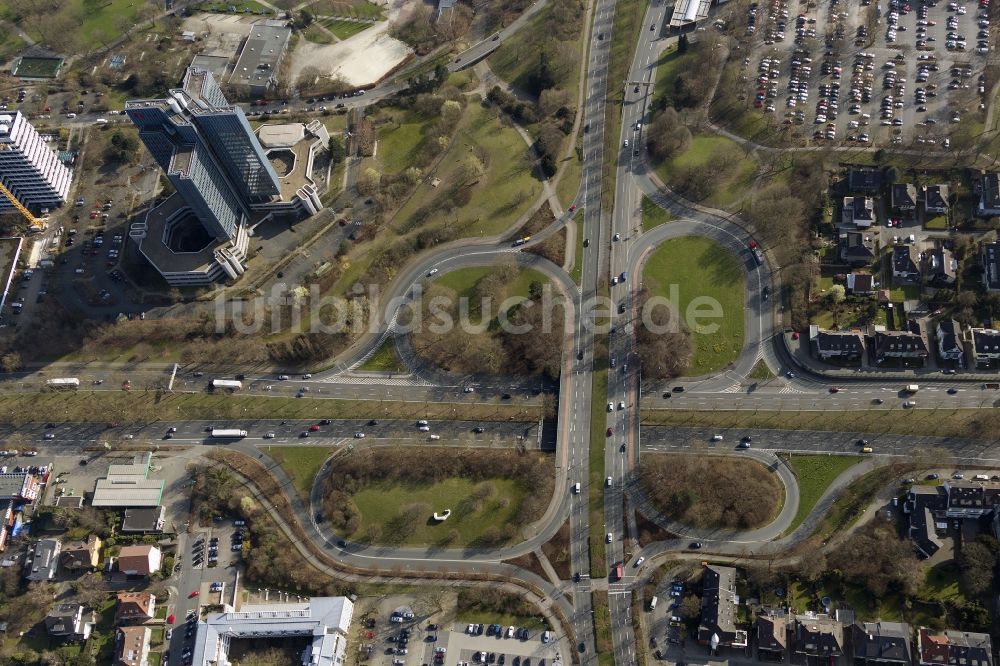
(64, 382)
(232, 384)
(228, 433)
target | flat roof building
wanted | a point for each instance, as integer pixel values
(259, 61)
(147, 521)
(326, 619)
(129, 486)
(44, 561)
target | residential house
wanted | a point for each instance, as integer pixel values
(856, 248)
(43, 563)
(818, 637)
(936, 199)
(931, 507)
(859, 211)
(953, 648)
(772, 635)
(989, 195)
(836, 345)
(990, 256)
(864, 180)
(81, 555)
(909, 344)
(949, 338)
(718, 609)
(940, 266)
(903, 197)
(984, 347)
(861, 284)
(905, 263)
(135, 607)
(69, 623)
(132, 646)
(881, 643)
(140, 560)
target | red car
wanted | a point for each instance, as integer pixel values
(313, 428)
(611, 431)
(572, 208)
(753, 245)
(834, 389)
(193, 594)
(171, 619)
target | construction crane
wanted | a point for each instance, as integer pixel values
(36, 222)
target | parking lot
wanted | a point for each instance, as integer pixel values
(896, 72)
(398, 634)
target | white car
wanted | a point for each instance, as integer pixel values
(359, 435)
(283, 377)
(626, 143)
(424, 428)
(607, 482)
(432, 272)
(611, 406)
(621, 405)
(268, 435)
(435, 437)
(639, 561)
(610, 537)
(468, 389)
(716, 438)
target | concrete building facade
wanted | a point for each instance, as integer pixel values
(29, 168)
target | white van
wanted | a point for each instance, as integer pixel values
(101, 121)
(435, 437)
(912, 388)
(982, 477)
(576, 488)
(652, 603)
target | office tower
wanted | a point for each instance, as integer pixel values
(28, 167)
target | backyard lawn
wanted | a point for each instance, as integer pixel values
(699, 271)
(814, 475)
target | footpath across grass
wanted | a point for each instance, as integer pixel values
(814, 474)
(702, 276)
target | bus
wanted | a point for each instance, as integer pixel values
(228, 433)
(64, 382)
(231, 384)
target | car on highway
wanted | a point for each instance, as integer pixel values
(621, 405)
(49, 435)
(572, 208)
(359, 435)
(745, 444)
(952, 391)
(867, 449)
(626, 143)
(586, 242)
(695, 545)
(478, 430)
(607, 482)
(610, 537)
(639, 561)
(611, 406)
(909, 404)
(313, 428)
(268, 435)
(283, 377)
(716, 438)
(432, 272)
(610, 432)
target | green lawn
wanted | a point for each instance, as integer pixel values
(385, 359)
(345, 29)
(700, 271)
(909, 292)
(380, 504)
(499, 196)
(301, 464)
(598, 426)
(653, 215)
(670, 65)
(941, 583)
(463, 281)
(577, 272)
(399, 137)
(96, 23)
(761, 371)
(317, 35)
(938, 222)
(729, 190)
(241, 7)
(139, 406)
(923, 421)
(569, 183)
(814, 475)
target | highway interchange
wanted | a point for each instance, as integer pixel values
(603, 257)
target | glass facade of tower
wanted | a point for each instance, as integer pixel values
(208, 150)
